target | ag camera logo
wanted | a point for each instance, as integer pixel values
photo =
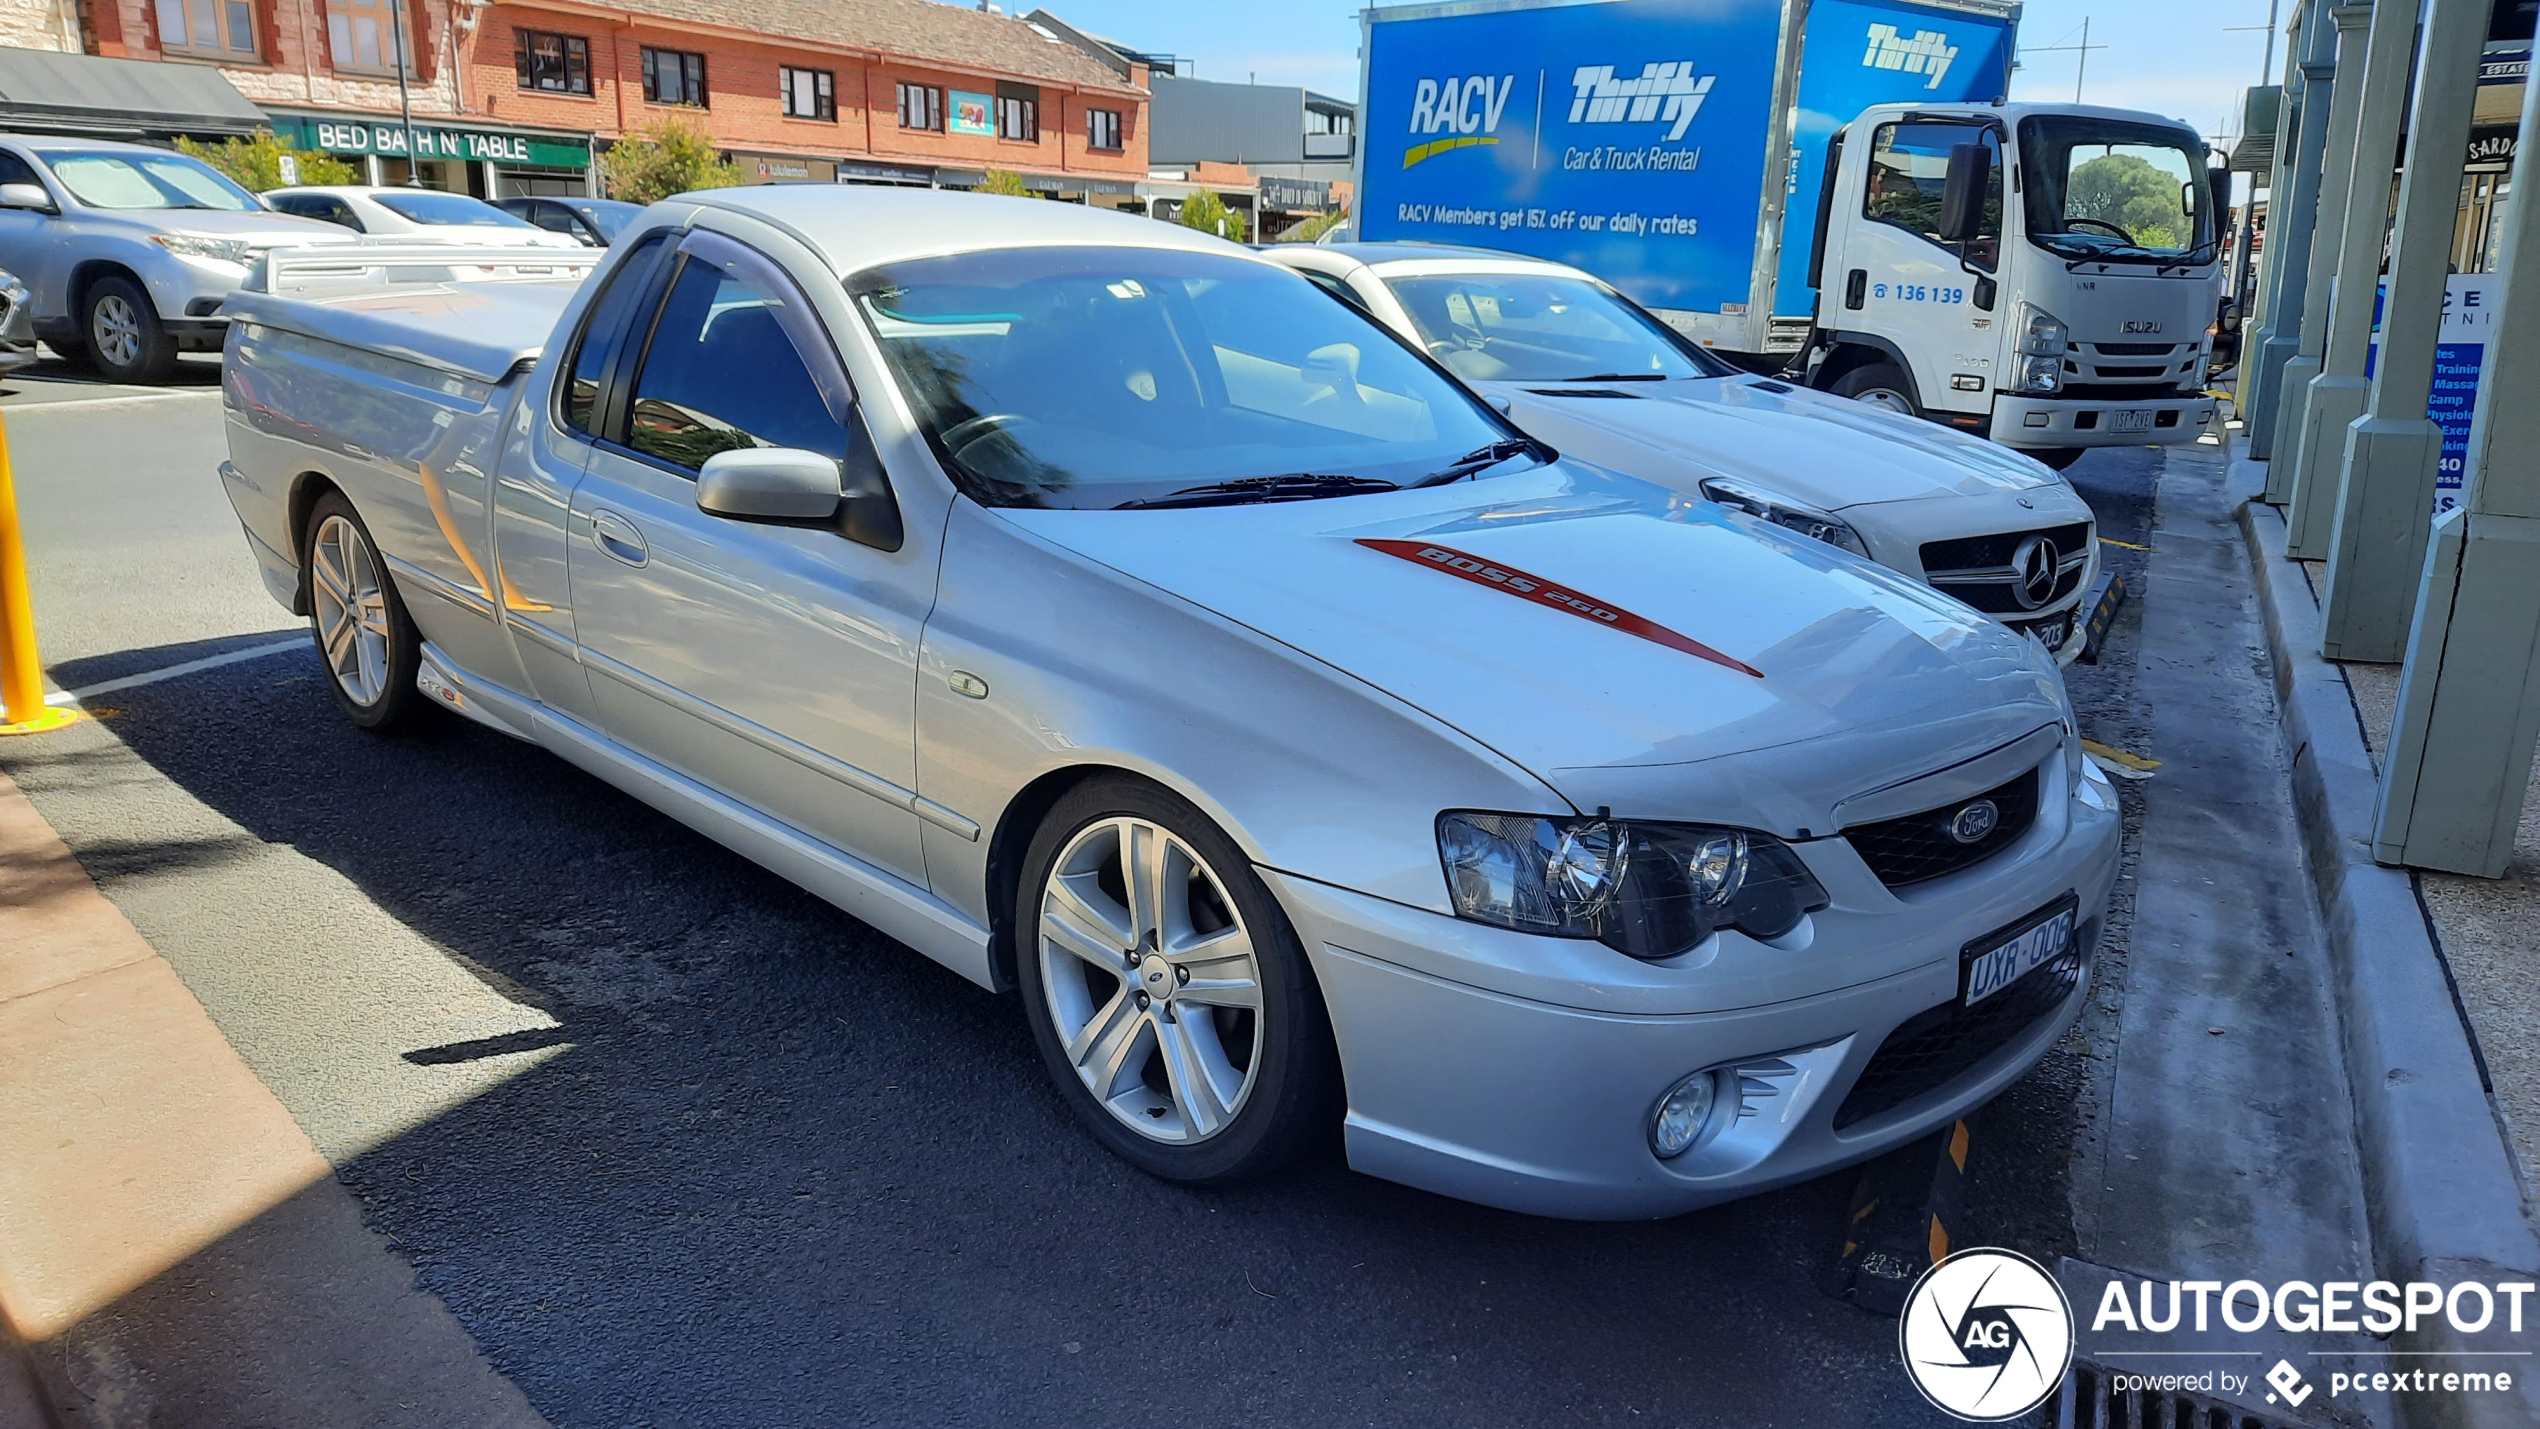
(1986, 1335)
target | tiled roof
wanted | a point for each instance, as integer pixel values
(955, 36)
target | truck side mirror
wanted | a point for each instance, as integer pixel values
(2219, 185)
(1962, 195)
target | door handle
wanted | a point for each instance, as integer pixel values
(1855, 284)
(616, 536)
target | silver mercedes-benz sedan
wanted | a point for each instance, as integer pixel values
(1102, 611)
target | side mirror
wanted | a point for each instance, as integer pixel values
(2219, 182)
(1962, 195)
(769, 484)
(26, 195)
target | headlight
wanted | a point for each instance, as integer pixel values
(1649, 890)
(1806, 520)
(2039, 375)
(2042, 334)
(187, 245)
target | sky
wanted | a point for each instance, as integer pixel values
(2181, 58)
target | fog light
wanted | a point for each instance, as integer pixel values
(1677, 1123)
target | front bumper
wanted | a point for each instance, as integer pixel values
(2059, 422)
(1461, 1083)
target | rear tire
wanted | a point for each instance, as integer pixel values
(121, 332)
(1188, 1036)
(365, 638)
(1881, 384)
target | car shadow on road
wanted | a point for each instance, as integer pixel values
(790, 1172)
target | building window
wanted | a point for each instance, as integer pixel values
(558, 63)
(213, 29)
(363, 34)
(1102, 129)
(674, 77)
(1018, 118)
(808, 93)
(921, 106)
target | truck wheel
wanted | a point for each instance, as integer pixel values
(370, 645)
(120, 327)
(1881, 384)
(1166, 990)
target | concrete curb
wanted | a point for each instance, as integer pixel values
(2439, 1186)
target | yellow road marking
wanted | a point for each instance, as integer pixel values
(2119, 756)
(2129, 545)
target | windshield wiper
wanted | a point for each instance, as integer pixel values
(1295, 486)
(1616, 377)
(1481, 459)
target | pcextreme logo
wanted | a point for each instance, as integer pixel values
(1928, 53)
(1667, 93)
(1467, 106)
(1986, 1335)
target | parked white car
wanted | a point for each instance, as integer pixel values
(413, 215)
(1106, 614)
(1586, 369)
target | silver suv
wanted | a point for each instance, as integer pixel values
(128, 251)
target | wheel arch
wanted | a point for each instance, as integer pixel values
(1850, 351)
(306, 488)
(84, 276)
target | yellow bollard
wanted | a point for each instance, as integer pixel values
(22, 707)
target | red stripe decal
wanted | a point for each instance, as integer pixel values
(1544, 593)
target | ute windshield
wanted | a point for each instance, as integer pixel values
(1540, 327)
(2106, 190)
(1102, 378)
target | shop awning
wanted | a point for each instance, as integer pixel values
(49, 93)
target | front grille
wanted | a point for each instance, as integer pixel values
(1970, 552)
(1920, 847)
(2160, 371)
(2089, 1399)
(2119, 391)
(1935, 1047)
(2133, 349)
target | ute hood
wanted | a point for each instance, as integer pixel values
(1866, 679)
(1826, 451)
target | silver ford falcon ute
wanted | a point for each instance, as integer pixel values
(1107, 614)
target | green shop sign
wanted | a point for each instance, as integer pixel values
(388, 138)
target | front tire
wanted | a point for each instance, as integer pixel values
(120, 329)
(1166, 990)
(366, 639)
(1881, 384)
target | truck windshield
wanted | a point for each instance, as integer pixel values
(1529, 327)
(130, 181)
(2110, 191)
(1097, 378)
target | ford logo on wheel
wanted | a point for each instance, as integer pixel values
(1972, 823)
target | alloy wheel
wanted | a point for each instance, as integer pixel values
(1152, 980)
(114, 331)
(351, 608)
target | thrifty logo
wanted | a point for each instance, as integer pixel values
(1928, 53)
(1669, 93)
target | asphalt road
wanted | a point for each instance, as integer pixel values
(679, 1144)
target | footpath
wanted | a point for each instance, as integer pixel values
(174, 1251)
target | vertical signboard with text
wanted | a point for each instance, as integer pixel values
(1626, 137)
(2460, 363)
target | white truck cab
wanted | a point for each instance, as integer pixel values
(2044, 275)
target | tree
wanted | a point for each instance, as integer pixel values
(670, 157)
(255, 163)
(2128, 191)
(1313, 228)
(1006, 182)
(1208, 213)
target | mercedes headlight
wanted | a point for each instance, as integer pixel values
(189, 245)
(1647, 889)
(1781, 511)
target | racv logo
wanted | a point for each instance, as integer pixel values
(1667, 93)
(1466, 106)
(1928, 53)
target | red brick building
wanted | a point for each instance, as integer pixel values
(513, 97)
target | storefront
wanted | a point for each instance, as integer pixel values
(489, 161)
(785, 169)
(905, 176)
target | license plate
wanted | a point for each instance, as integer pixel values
(2129, 421)
(1998, 960)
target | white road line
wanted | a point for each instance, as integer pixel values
(133, 399)
(152, 677)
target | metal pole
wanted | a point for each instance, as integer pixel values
(2081, 66)
(2338, 394)
(2459, 762)
(2292, 201)
(22, 707)
(405, 101)
(2385, 488)
(2337, 173)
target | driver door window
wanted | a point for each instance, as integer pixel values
(1909, 171)
(722, 373)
